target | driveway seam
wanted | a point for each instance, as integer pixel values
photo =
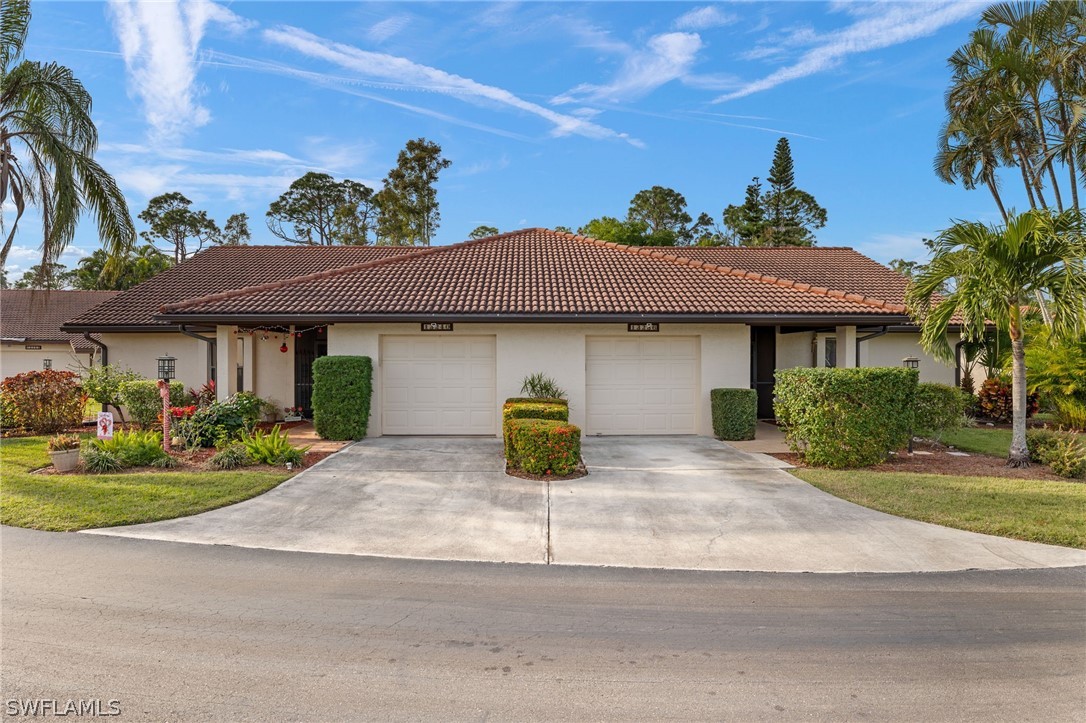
(549, 557)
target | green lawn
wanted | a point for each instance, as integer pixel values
(1036, 510)
(981, 440)
(77, 501)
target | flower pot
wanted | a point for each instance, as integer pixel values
(65, 460)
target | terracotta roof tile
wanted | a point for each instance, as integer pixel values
(219, 269)
(36, 315)
(535, 272)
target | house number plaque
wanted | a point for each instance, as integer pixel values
(437, 326)
(643, 326)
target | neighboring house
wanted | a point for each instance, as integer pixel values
(30, 334)
(637, 336)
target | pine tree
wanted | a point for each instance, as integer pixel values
(782, 176)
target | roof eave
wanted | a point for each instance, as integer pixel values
(510, 318)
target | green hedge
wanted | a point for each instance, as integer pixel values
(142, 401)
(342, 389)
(846, 417)
(939, 408)
(543, 446)
(735, 413)
(537, 400)
(524, 408)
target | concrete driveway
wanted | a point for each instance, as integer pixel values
(685, 502)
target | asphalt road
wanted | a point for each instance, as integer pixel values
(196, 632)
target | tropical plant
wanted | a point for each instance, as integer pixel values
(993, 272)
(47, 146)
(100, 461)
(230, 457)
(133, 449)
(540, 386)
(1015, 101)
(133, 268)
(63, 442)
(1057, 371)
(272, 447)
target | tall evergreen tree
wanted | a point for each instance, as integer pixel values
(408, 213)
(782, 176)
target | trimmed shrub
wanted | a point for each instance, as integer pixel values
(938, 409)
(530, 409)
(342, 389)
(537, 400)
(540, 386)
(735, 413)
(45, 401)
(996, 402)
(143, 403)
(846, 417)
(544, 446)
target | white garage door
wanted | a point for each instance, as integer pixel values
(438, 385)
(642, 385)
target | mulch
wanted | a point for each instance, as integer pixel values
(197, 461)
(940, 461)
(581, 471)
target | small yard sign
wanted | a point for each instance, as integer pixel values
(105, 425)
(437, 326)
(643, 326)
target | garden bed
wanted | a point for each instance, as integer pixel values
(581, 471)
(189, 461)
(938, 460)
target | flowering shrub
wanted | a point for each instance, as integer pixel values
(521, 408)
(543, 446)
(183, 412)
(45, 401)
(296, 411)
(995, 401)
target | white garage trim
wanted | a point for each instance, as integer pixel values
(642, 385)
(438, 385)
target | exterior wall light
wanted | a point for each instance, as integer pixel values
(167, 368)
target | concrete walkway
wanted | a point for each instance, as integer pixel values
(768, 439)
(687, 502)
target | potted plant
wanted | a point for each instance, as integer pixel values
(269, 412)
(64, 452)
(293, 414)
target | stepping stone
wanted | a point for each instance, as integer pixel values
(926, 454)
(958, 454)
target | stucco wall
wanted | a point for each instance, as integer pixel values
(794, 350)
(15, 358)
(888, 351)
(558, 350)
(272, 375)
(139, 351)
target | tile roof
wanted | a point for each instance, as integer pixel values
(537, 273)
(218, 269)
(36, 315)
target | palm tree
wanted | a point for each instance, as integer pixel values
(47, 145)
(995, 273)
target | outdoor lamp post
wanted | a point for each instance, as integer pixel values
(167, 370)
(910, 362)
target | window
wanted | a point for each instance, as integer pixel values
(831, 353)
(46, 363)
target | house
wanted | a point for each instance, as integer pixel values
(30, 334)
(637, 336)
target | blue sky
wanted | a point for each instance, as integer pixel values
(551, 113)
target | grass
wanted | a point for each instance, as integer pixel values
(80, 501)
(981, 440)
(1034, 510)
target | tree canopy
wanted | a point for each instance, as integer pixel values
(318, 210)
(47, 145)
(408, 210)
(483, 232)
(780, 215)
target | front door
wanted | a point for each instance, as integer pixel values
(307, 347)
(763, 364)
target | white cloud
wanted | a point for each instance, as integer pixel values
(159, 42)
(876, 26)
(704, 18)
(387, 28)
(886, 246)
(666, 57)
(407, 74)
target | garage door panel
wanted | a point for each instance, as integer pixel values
(441, 386)
(642, 386)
